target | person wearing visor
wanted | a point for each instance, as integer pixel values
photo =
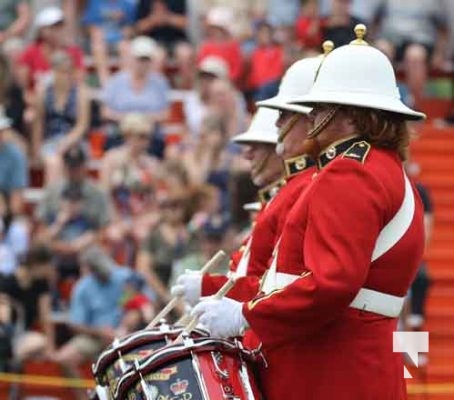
(350, 247)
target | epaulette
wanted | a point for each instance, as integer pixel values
(335, 150)
(358, 151)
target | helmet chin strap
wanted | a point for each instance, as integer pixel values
(285, 131)
(311, 144)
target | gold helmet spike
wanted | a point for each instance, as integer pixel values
(360, 32)
(327, 47)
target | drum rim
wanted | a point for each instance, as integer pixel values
(136, 339)
(110, 355)
(173, 351)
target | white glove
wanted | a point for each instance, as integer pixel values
(188, 286)
(222, 318)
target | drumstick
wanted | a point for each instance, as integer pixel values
(218, 296)
(183, 320)
(215, 260)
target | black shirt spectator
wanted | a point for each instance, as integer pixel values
(340, 34)
(28, 293)
(27, 296)
(11, 96)
(163, 20)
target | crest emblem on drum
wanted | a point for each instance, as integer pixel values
(179, 387)
(163, 375)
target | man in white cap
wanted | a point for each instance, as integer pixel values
(138, 88)
(350, 247)
(220, 42)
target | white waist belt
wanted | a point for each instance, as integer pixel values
(378, 303)
(366, 299)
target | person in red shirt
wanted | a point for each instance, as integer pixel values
(264, 82)
(34, 62)
(349, 249)
(307, 26)
(219, 42)
(137, 307)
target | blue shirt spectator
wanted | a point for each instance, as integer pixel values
(96, 303)
(120, 96)
(111, 16)
(282, 13)
(13, 168)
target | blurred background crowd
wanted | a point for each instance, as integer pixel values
(116, 168)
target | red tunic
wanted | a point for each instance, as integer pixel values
(317, 347)
(266, 231)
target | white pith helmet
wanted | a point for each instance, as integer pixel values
(262, 128)
(358, 75)
(297, 81)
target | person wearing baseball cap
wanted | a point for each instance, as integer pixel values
(220, 41)
(138, 87)
(50, 37)
(213, 66)
(196, 102)
(94, 312)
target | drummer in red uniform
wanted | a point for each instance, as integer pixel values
(349, 250)
(266, 172)
(293, 123)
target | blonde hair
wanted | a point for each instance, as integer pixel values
(135, 123)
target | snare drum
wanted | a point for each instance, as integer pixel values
(196, 369)
(120, 355)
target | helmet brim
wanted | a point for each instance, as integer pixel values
(283, 103)
(254, 137)
(384, 103)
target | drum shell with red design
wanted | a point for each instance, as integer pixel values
(197, 369)
(119, 357)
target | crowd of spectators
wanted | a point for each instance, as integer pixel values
(128, 107)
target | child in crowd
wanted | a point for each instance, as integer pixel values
(138, 310)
